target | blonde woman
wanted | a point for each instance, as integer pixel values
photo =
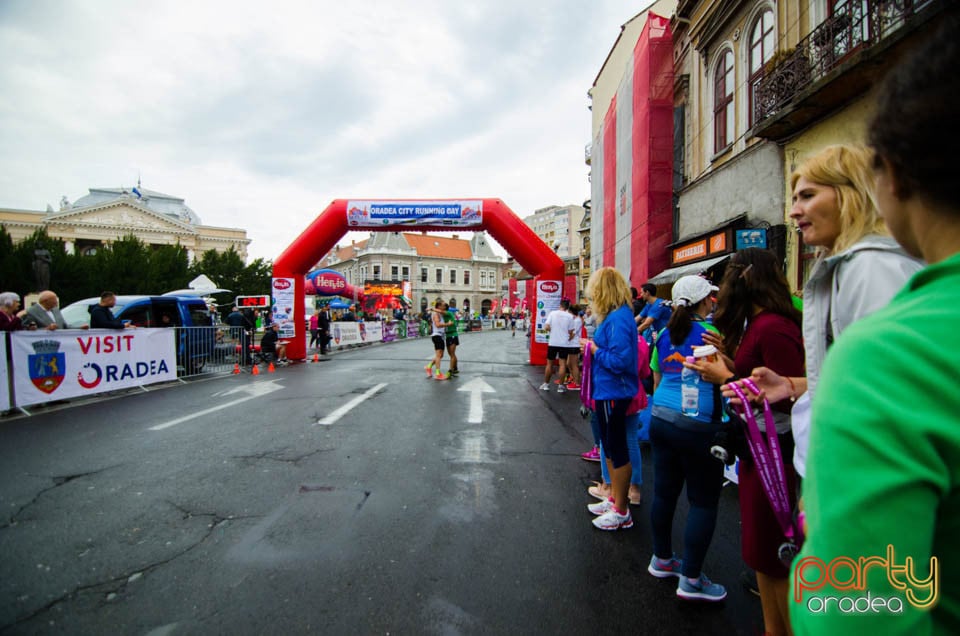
(614, 377)
(858, 270)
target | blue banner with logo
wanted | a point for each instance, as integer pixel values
(751, 238)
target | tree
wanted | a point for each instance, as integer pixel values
(227, 270)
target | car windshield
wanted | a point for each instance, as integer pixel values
(78, 314)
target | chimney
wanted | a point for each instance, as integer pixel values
(456, 237)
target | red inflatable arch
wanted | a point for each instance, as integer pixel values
(491, 215)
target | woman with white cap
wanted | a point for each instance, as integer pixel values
(681, 439)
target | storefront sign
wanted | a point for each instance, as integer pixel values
(690, 252)
(751, 238)
(701, 248)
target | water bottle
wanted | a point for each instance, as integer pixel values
(689, 391)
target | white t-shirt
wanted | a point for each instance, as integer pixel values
(577, 330)
(561, 323)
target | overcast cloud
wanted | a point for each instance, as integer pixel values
(259, 114)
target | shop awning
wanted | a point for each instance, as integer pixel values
(673, 273)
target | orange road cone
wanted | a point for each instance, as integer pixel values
(236, 369)
(316, 357)
(256, 370)
(270, 368)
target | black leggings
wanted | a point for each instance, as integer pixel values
(612, 416)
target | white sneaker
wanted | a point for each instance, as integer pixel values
(613, 520)
(561, 388)
(601, 508)
(544, 387)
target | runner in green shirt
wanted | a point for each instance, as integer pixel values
(452, 338)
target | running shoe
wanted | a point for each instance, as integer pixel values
(440, 376)
(429, 370)
(561, 389)
(613, 520)
(672, 568)
(544, 387)
(573, 386)
(702, 590)
(454, 372)
(601, 508)
(592, 455)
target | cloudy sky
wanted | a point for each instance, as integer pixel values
(259, 114)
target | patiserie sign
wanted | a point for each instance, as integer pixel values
(433, 213)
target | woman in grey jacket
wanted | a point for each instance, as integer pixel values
(859, 269)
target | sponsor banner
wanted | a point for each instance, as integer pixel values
(4, 384)
(371, 331)
(548, 299)
(433, 213)
(410, 329)
(345, 333)
(283, 294)
(57, 365)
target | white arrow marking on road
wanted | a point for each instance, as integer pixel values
(254, 390)
(477, 387)
(346, 408)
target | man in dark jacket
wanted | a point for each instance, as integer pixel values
(102, 318)
(239, 327)
(323, 324)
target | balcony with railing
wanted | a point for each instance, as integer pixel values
(839, 60)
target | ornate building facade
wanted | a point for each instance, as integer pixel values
(108, 214)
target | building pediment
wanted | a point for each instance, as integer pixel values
(121, 215)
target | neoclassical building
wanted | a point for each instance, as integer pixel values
(108, 214)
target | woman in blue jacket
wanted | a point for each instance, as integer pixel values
(615, 381)
(681, 443)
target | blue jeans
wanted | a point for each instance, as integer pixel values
(595, 428)
(633, 447)
(683, 456)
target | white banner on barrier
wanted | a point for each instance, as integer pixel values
(371, 331)
(4, 386)
(345, 333)
(67, 364)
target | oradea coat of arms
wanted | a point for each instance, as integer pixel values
(47, 365)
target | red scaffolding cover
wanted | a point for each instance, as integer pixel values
(635, 152)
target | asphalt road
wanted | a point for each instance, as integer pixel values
(351, 496)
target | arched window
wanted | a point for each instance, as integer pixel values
(763, 41)
(723, 113)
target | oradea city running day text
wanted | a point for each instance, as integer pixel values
(845, 574)
(111, 345)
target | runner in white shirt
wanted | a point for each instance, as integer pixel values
(560, 325)
(573, 349)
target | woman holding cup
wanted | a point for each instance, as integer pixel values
(761, 328)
